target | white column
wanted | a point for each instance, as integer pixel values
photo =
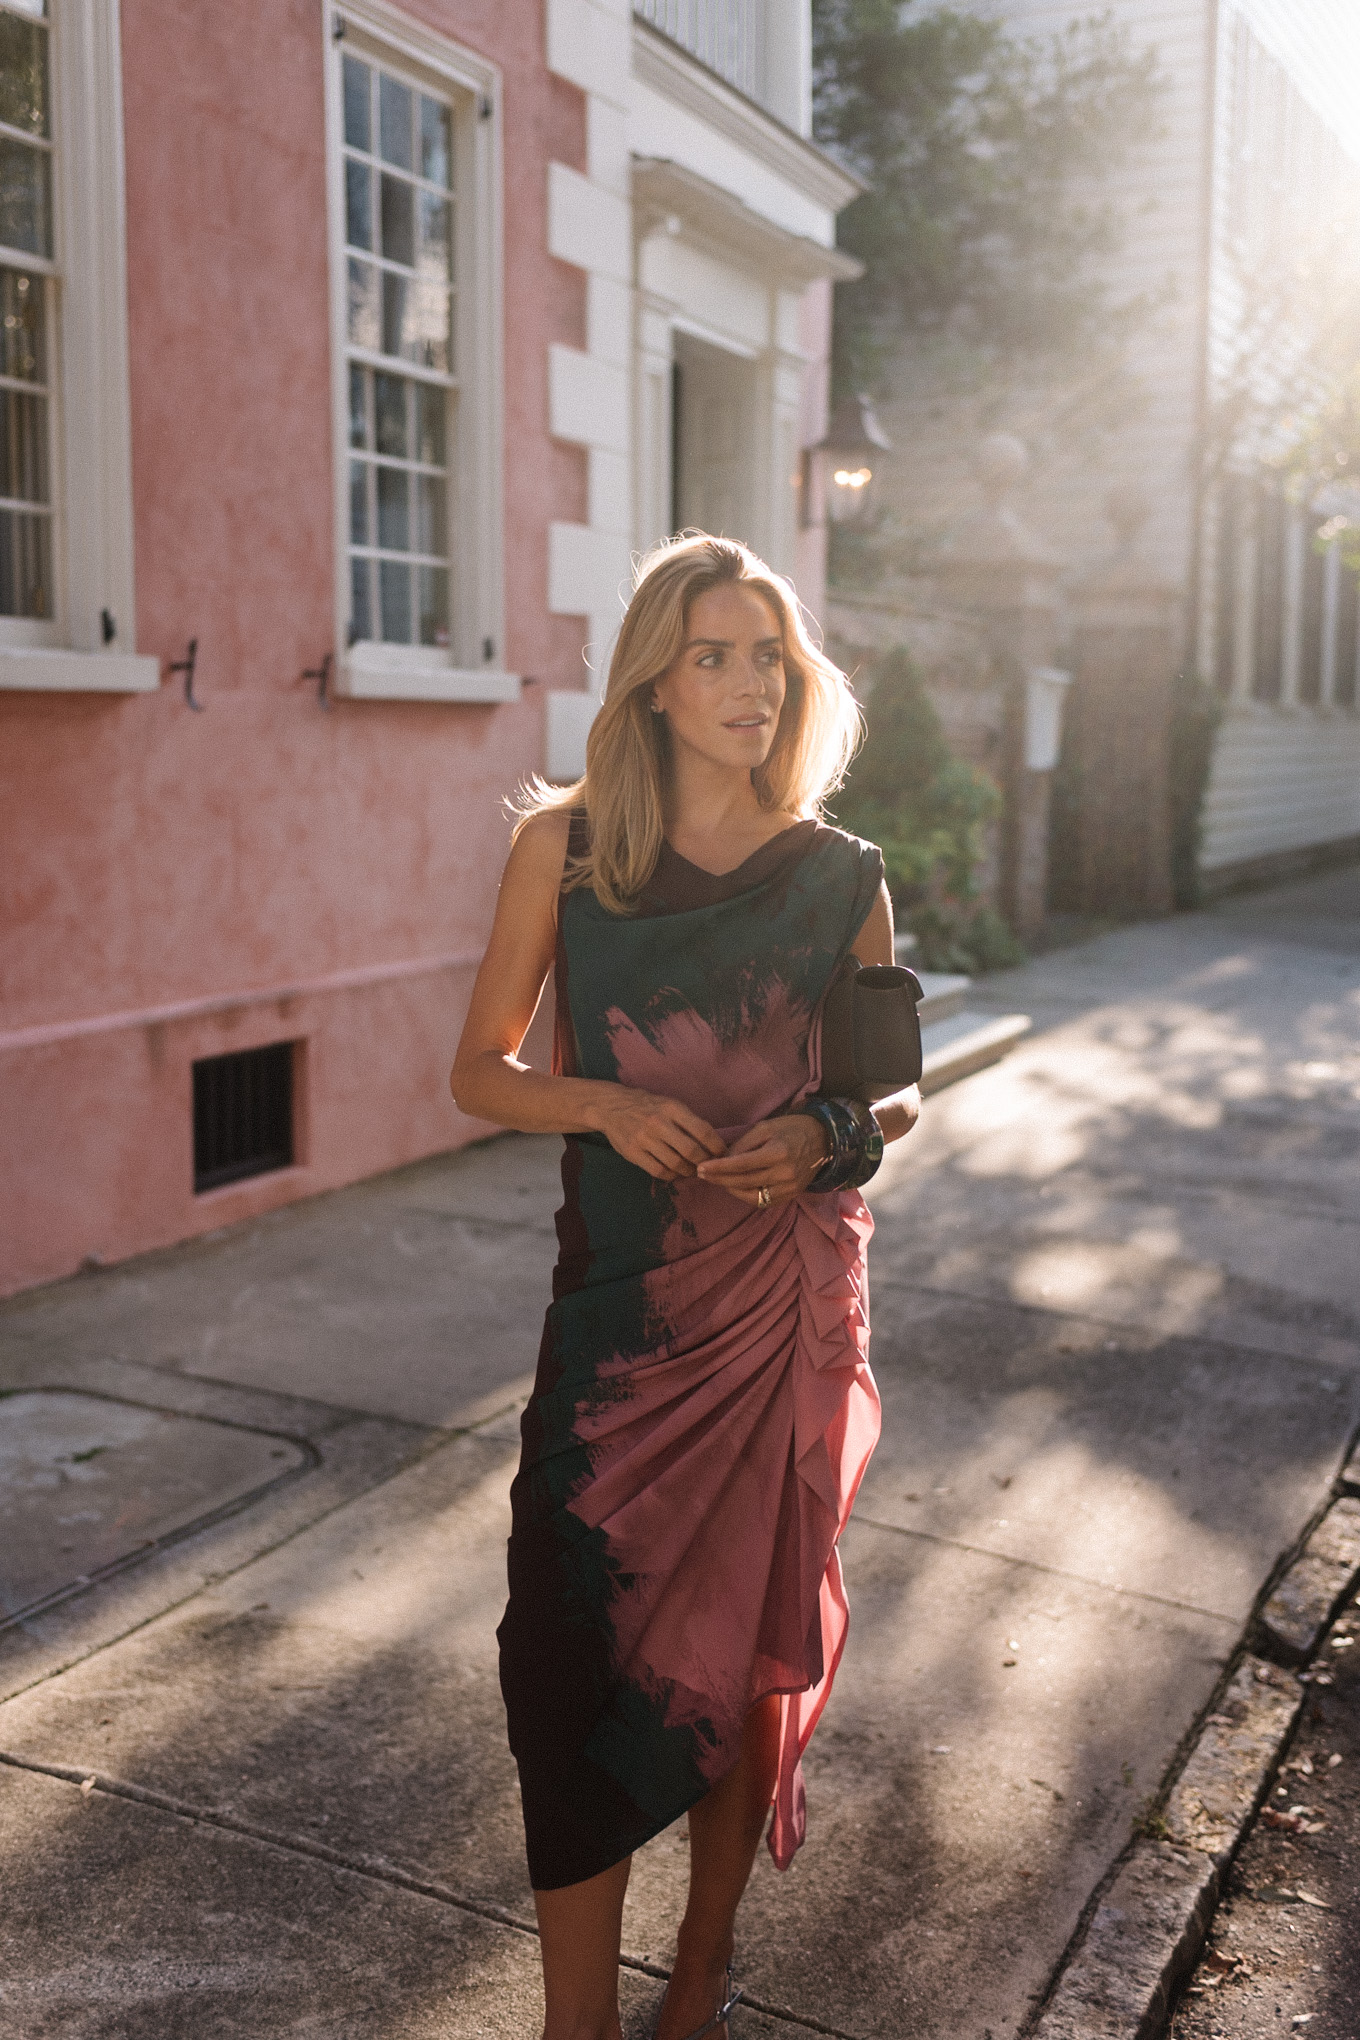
(1291, 665)
(1247, 544)
(652, 428)
(1331, 606)
(785, 408)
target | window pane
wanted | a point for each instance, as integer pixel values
(23, 75)
(394, 520)
(398, 221)
(358, 502)
(23, 447)
(358, 115)
(394, 102)
(25, 208)
(430, 408)
(358, 406)
(393, 311)
(394, 580)
(22, 350)
(436, 237)
(25, 571)
(436, 156)
(434, 605)
(361, 598)
(358, 204)
(416, 321)
(430, 528)
(363, 305)
(389, 411)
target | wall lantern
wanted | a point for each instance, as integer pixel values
(844, 466)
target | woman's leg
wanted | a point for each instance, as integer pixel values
(724, 1833)
(579, 1928)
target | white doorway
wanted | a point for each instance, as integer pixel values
(714, 461)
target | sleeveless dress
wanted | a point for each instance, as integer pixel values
(703, 1409)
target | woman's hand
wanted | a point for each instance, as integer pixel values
(779, 1155)
(659, 1134)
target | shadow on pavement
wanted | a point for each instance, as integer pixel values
(1115, 1329)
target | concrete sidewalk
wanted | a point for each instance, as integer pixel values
(1117, 1330)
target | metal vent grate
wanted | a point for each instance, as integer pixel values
(243, 1114)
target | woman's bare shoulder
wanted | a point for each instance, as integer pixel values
(539, 851)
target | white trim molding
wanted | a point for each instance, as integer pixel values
(374, 672)
(590, 389)
(41, 669)
(669, 198)
(662, 64)
(470, 670)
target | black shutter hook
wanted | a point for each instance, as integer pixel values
(186, 667)
(322, 676)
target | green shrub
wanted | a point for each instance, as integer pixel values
(928, 812)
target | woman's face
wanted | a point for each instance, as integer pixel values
(723, 694)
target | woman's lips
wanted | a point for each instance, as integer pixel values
(747, 722)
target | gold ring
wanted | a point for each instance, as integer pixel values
(762, 1196)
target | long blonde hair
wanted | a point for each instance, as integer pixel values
(626, 752)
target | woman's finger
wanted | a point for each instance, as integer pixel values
(744, 1168)
(665, 1146)
(683, 1143)
(754, 1137)
(698, 1129)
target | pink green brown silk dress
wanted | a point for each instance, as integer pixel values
(703, 1409)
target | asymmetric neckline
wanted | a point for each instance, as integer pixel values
(736, 869)
(678, 886)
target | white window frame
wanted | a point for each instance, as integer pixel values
(465, 672)
(90, 404)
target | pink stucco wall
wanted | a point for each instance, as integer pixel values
(154, 857)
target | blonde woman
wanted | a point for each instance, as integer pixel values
(703, 1409)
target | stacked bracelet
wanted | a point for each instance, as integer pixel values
(856, 1142)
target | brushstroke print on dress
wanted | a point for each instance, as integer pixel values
(703, 1409)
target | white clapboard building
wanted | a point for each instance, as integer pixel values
(705, 223)
(1258, 145)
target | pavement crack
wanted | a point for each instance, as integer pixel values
(297, 1845)
(1057, 1572)
(376, 1868)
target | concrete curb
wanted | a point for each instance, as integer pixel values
(1294, 1619)
(1143, 1938)
(967, 1042)
(1147, 1927)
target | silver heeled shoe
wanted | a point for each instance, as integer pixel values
(734, 1998)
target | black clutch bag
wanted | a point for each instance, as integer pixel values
(871, 1032)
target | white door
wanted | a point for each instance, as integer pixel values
(713, 451)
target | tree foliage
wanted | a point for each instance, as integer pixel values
(1286, 403)
(988, 162)
(928, 811)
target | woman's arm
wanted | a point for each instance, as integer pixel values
(783, 1155)
(489, 1082)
